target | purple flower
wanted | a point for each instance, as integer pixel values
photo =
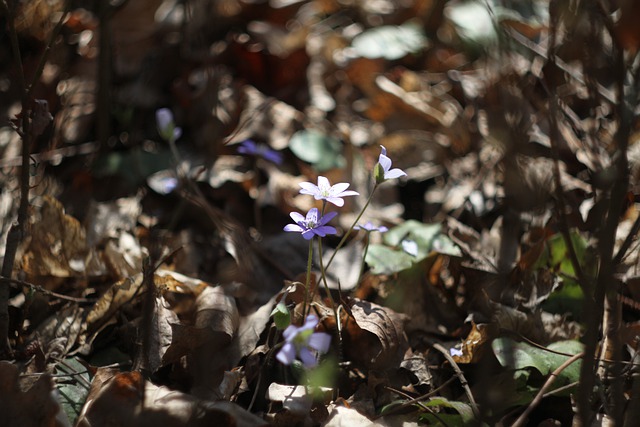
(325, 191)
(166, 127)
(369, 227)
(383, 169)
(311, 225)
(260, 150)
(303, 342)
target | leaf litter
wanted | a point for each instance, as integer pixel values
(155, 281)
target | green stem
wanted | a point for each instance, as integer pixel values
(364, 257)
(348, 233)
(307, 280)
(324, 279)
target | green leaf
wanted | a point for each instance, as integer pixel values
(72, 390)
(465, 411)
(390, 42)
(324, 152)
(384, 260)
(520, 355)
(391, 258)
(429, 238)
(281, 316)
(473, 22)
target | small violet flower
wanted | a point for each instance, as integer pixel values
(369, 227)
(312, 225)
(166, 126)
(303, 342)
(325, 191)
(260, 150)
(383, 169)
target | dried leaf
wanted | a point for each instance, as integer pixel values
(58, 245)
(387, 326)
(35, 407)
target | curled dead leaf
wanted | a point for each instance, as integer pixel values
(378, 339)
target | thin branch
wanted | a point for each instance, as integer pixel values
(40, 289)
(547, 385)
(463, 380)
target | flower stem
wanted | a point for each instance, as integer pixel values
(324, 280)
(307, 280)
(364, 257)
(348, 233)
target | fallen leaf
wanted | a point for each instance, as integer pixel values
(388, 348)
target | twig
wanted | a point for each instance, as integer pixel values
(628, 241)
(17, 230)
(42, 290)
(463, 380)
(552, 377)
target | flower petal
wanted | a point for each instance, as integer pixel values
(385, 162)
(348, 193)
(319, 341)
(323, 230)
(339, 187)
(293, 227)
(327, 217)
(335, 200)
(308, 234)
(272, 156)
(290, 333)
(383, 150)
(309, 188)
(297, 217)
(287, 354)
(394, 173)
(312, 216)
(308, 359)
(164, 118)
(310, 322)
(323, 183)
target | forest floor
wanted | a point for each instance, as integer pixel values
(319, 212)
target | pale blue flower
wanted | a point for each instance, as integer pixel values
(166, 126)
(455, 352)
(312, 225)
(325, 191)
(383, 169)
(304, 343)
(252, 148)
(369, 227)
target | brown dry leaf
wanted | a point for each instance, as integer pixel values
(266, 119)
(473, 346)
(34, 407)
(133, 28)
(106, 220)
(249, 331)
(111, 301)
(73, 122)
(216, 321)
(179, 291)
(126, 400)
(390, 343)
(296, 400)
(61, 331)
(160, 334)
(419, 367)
(58, 245)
